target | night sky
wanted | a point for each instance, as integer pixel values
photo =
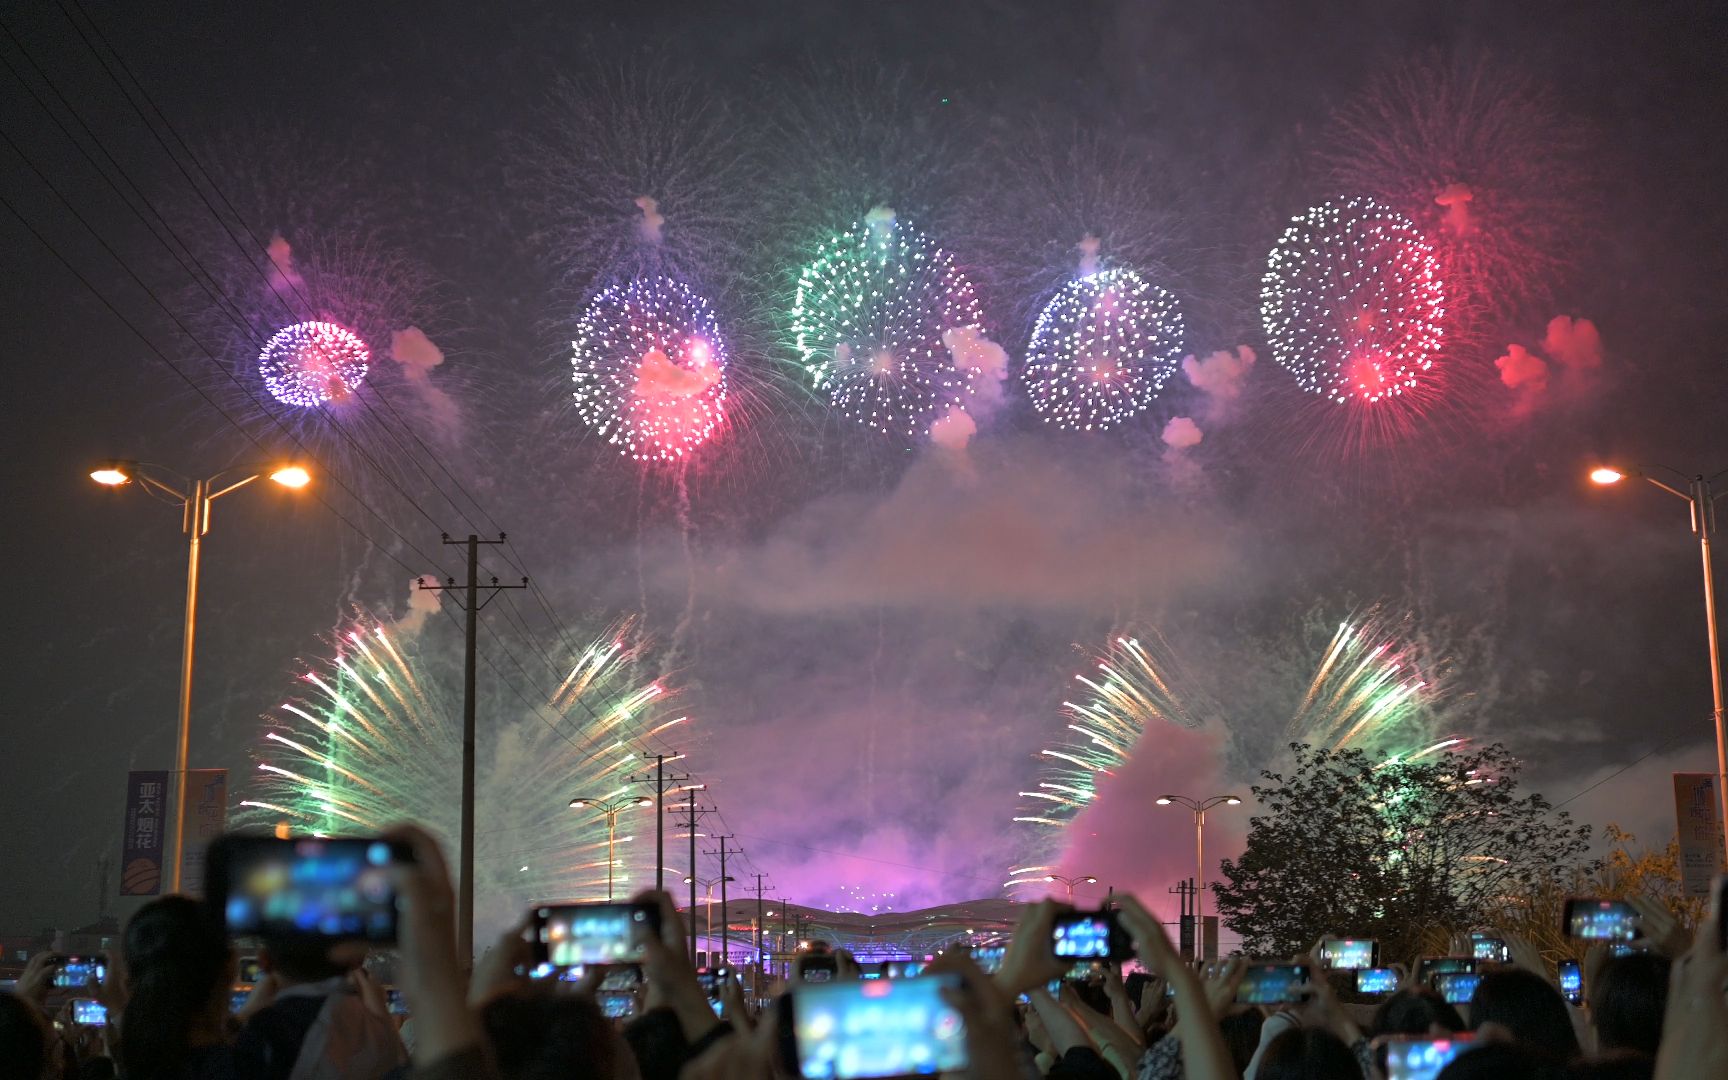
(873, 641)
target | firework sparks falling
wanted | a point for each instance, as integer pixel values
(1127, 693)
(312, 363)
(371, 736)
(1353, 303)
(869, 318)
(1102, 350)
(649, 364)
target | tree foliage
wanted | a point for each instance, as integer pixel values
(1401, 851)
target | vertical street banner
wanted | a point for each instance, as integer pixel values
(1699, 822)
(145, 833)
(206, 800)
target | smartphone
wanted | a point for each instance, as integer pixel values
(337, 887)
(1085, 971)
(569, 935)
(1430, 966)
(238, 998)
(1271, 984)
(1376, 980)
(866, 1030)
(75, 972)
(1621, 948)
(1457, 987)
(89, 1012)
(1345, 954)
(398, 1004)
(250, 971)
(713, 981)
(1090, 935)
(1572, 981)
(1422, 1057)
(818, 968)
(617, 1004)
(902, 969)
(1600, 920)
(1490, 948)
(989, 958)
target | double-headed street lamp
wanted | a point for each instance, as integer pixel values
(1702, 500)
(1199, 809)
(194, 498)
(1071, 882)
(610, 810)
(708, 891)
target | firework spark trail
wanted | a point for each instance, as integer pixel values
(1368, 693)
(372, 737)
(1128, 695)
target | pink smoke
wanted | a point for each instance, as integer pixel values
(1220, 375)
(658, 376)
(1575, 348)
(652, 221)
(954, 431)
(1574, 344)
(282, 279)
(1456, 199)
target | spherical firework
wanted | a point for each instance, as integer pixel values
(1102, 349)
(869, 316)
(372, 735)
(1353, 302)
(649, 365)
(313, 363)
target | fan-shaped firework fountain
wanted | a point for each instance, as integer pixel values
(372, 735)
(869, 317)
(1368, 694)
(649, 364)
(1102, 350)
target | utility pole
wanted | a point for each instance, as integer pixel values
(694, 812)
(471, 604)
(761, 928)
(660, 780)
(725, 922)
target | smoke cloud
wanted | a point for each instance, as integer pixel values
(1575, 348)
(1221, 376)
(422, 605)
(1456, 199)
(983, 360)
(954, 431)
(1181, 433)
(1574, 344)
(282, 278)
(658, 376)
(1088, 247)
(880, 221)
(418, 358)
(652, 221)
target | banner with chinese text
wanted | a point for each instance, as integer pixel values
(146, 830)
(1699, 821)
(206, 817)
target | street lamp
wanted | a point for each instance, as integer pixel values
(611, 810)
(194, 498)
(708, 891)
(1071, 882)
(1702, 501)
(1199, 809)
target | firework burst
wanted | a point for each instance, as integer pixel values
(371, 735)
(1368, 693)
(649, 364)
(869, 318)
(1102, 350)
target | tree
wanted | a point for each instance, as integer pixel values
(1402, 851)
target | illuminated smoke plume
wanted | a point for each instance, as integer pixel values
(1573, 344)
(418, 356)
(422, 605)
(1220, 375)
(652, 219)
(1524, 372)
(281, 277)
(1574, 350)
(1088, 247)
(954, 431)
(983, 361)
(1456, 199)
(1180, 435)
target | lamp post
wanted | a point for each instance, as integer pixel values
(1071, 882)
(708, 891)
(194, 498)
(1702, 501)
(611, 810)
(1199, 809)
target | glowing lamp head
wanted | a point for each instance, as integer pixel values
(1232, 801)
(292, 476)
(1091, 881)
(644, 801)
(112, 473)
(578, 803)
(1163, 800)
(1602, 474)
(1049, 877)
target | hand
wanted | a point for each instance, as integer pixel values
(1658, 929)
(672, 981)
(371, 994)
(1526, 955)
(1204, 1055)
(992, 1039)
(495, 974)
(1695, 1025)
(38, 977)
(1595, 957)
(1319, 1007)
(264, 992)
(432, 973)
(1222, 984)
(733, 1006)
(1030, 959)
